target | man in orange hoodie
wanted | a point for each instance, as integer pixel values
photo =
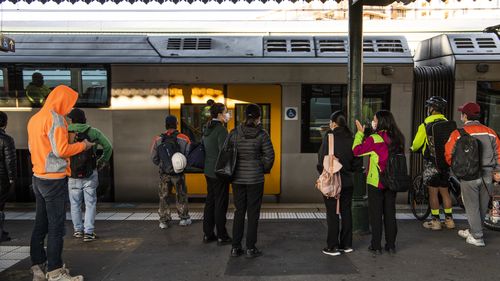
(50, 152)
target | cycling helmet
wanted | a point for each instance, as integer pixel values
(436, 102)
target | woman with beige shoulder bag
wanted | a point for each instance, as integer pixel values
(337, 143)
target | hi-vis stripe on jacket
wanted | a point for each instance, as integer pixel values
(490, 144)
(48, 136)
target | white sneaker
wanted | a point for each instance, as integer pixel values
(38, 272)
(185, 222)
(163, 225)
(464, 233)
(62, 274)
(476, 242)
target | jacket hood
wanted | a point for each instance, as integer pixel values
(61, 100)
(210, 127)
(78, 127)
(251, 132)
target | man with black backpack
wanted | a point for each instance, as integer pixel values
(474, 155)
(84, 181)
(430, 139)
(169, 152)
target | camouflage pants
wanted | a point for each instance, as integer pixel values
(167, 184)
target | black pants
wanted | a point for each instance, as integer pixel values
(51, 197)
(247, 200)
(332, 219)
(382, 207)
(214, 215)
(4, 195)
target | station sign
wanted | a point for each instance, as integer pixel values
(7, 44)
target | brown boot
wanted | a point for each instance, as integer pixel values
(433, 224)
(450, 224)
(38, 272)
(62, 274)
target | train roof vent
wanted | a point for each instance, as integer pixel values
(288, 47)
(189, 43)
(463, 43)
(486, 43)
(215, 46)
(383, 45)
(332, 45)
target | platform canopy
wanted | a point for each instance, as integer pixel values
(365, 2)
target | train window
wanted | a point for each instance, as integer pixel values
(321, 100)
(488, 97)
(318, 103)
(94, 87)
(38, 83)
(375, 97)
(265, 118)
(192, 120)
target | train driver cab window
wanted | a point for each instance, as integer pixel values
(318, 103)
(37, 83)
(94, 90)
(488, 97)
(265, 118)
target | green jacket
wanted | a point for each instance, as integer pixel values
(420, 141)
(98, 138)
(214, 136)
(37, 94)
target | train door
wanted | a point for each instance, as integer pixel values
(269, 98)
(188, 104)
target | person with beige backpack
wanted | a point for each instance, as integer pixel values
(336, 163)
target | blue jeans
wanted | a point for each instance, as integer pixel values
(83, 190)
(51, 197)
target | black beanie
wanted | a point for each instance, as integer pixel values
(252, 111)
(171, 122)
(77, 116)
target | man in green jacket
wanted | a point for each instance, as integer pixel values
(36, 91)
(84, 181)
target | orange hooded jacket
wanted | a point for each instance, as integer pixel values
(48, 135)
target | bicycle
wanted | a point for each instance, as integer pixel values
(419, 196)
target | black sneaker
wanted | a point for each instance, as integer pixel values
(346, 250)
(5, 237)
(224, 241)
(236, 252)
(391, 251)
(88, 237)
(331, 251)
(78, 234)
(376, 252)
(253, 253)
(209, 239)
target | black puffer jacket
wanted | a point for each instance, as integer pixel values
(255, 154)
(7, 157)
(342, 145)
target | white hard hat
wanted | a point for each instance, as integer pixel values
(179, 162)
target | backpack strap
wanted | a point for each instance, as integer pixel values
(331, 149)
(462, 132)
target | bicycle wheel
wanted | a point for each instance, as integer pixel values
(419, 199)
(491, 225)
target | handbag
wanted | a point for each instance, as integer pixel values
(329, 182)
(226, 160)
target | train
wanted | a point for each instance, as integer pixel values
(129, 83)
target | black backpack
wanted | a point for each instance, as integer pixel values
(395, 176)
(166, 149)
(466, 157)
(84, 163)
(438, 133)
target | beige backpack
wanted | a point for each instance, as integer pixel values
(329, 182)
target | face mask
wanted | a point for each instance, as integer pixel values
(227, 116)
(374, 125)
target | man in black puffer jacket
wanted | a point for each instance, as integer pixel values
(7, 171)
(255, 157)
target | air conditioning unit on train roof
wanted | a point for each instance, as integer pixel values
(288, 46)
(197, 46)
(375, 48)
(466, 46)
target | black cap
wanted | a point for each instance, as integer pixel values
(77, 116)
(171, 122)
(252, 111)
